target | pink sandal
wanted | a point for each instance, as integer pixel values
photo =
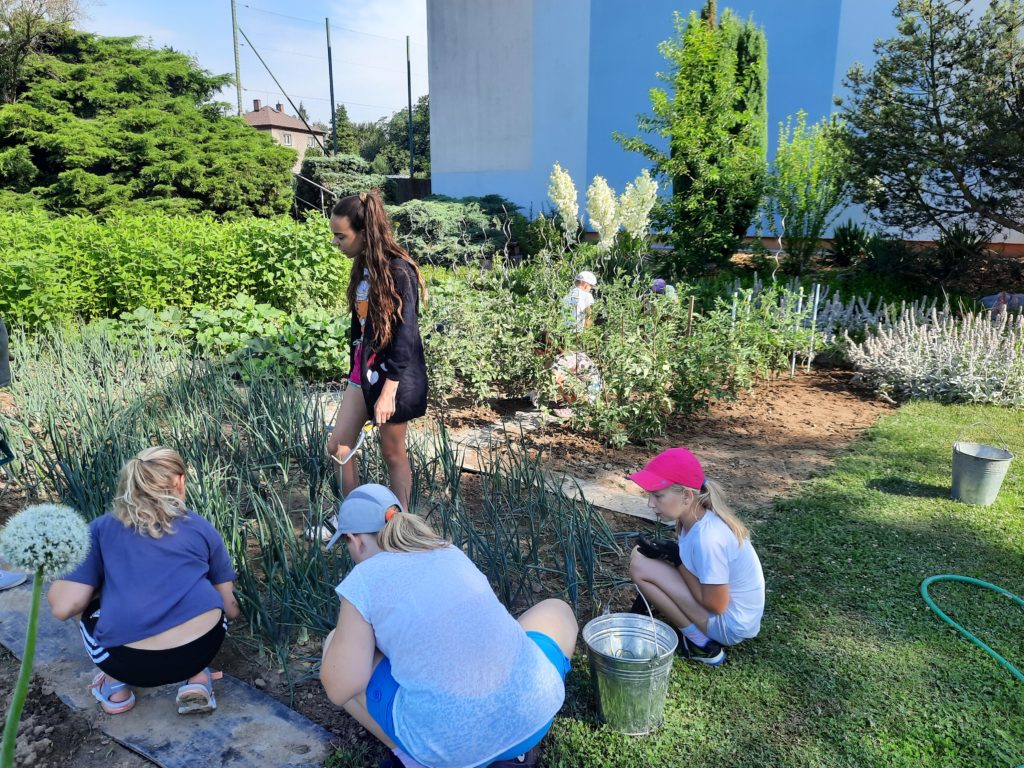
(102, 690)
(194, 698)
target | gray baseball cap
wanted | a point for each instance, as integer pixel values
(364, 510)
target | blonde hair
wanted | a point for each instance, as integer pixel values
(711, 496)
(404, 532)
(145, 498)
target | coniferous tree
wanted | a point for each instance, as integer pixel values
(104, 124)
(936, 125)
(714, 117)
(347, 142)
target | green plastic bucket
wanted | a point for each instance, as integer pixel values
(630, 665)
(978, 472)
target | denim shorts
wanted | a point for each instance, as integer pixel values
(719, 631)
(382, 689)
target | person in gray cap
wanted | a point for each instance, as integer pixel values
(426, 658)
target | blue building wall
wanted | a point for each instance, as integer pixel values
(595, 61)
(802, 43)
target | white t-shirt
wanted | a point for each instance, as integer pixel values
(710, 552)
(471, 683)
(578, 302)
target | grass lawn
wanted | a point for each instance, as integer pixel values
(851, 668)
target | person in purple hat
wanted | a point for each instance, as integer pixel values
(713, 592)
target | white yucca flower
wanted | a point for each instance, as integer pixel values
(51, 537)
(636, 204)
(562, 192)
(602, 212)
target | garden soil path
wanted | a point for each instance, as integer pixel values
(758, 446)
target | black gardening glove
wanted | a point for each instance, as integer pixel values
(660, 549)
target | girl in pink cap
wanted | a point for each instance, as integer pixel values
(713, 588)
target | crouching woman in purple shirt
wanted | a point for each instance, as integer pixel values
(154, 594)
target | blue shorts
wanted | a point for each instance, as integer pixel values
(382, 689)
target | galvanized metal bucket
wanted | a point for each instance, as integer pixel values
(978, 472)
(630, 665)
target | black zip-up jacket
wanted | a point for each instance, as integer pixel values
(402, 360)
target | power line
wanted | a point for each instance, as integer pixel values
(320, 98)
(324, 58)
(335, 26)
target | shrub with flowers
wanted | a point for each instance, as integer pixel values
(562, 192)
(602, 212)
(636, 203)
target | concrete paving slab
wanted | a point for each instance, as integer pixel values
(249, 729)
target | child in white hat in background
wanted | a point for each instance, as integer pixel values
(426, 658)
(580, 300)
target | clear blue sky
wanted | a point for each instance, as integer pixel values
(367, 38)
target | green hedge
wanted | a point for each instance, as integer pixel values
(342, 174)
(63, 270)
(448, 231)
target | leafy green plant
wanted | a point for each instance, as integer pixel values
(959, 248)
(711, 124)
(63, 271)
(850, 244)
(807, 183)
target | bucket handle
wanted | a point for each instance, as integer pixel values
(993, 430)
(654, 626)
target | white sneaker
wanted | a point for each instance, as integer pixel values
(324, 531)
(10, 579)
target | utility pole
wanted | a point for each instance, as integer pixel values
(334, 108)
(238, 69)
(408, 82)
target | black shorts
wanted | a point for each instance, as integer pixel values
(149, 669)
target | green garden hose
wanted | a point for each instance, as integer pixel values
(959, 627)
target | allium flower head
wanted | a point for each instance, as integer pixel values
(601, 210)
(48, 536)
(562, 192)
(636, 204)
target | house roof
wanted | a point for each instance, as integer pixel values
(268, 117)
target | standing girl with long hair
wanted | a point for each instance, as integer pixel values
(712, 587)
(154, 592)
(388, 378)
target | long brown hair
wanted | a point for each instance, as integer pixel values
(366, 215)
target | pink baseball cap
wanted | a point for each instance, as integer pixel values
(676, 466)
